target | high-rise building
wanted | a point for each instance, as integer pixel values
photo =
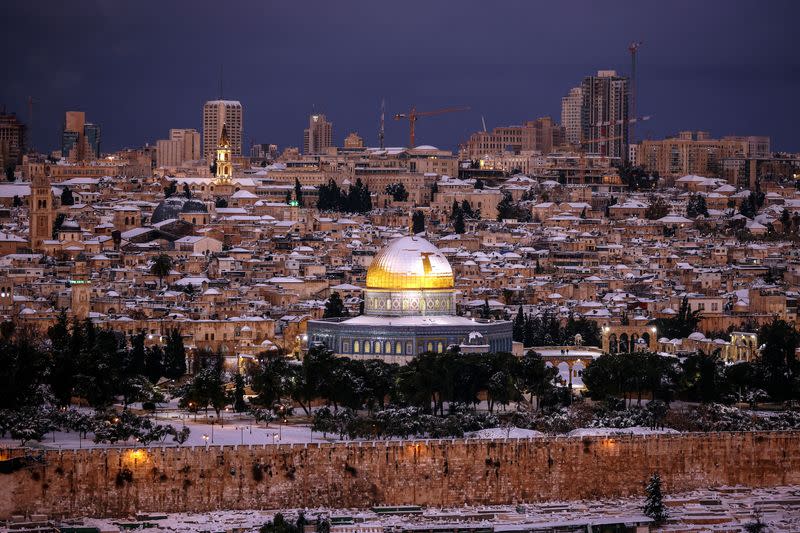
(183, 145)
(91, 132)
(604, 114)
(264, 151)
(217, 113)
(318, 137)
(12, 140)
(571, 114)
(80, 140)
(72, 135)
(190, 143)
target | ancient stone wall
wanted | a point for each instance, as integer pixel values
(119, 482)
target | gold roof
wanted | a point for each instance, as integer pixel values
(410, 263)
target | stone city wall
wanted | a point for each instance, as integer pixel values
(119, 482)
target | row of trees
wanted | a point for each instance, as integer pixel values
(32, 423)
(429, 381)
(460, 212)
(356, 199)
(774, 375)
(80, 360)
(546, 330)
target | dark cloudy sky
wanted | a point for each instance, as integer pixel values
(141, 67)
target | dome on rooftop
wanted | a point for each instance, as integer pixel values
(410, 263)
(175, 205)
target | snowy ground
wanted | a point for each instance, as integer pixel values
(723, 509)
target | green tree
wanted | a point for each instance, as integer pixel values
(170, 189)
(334, 307)
(161, 267)
(696, 206)
(298, 192)
(479, 184)
(187, 192)
(174, 355)
(518, 326)
(658, 208)
(535, 377)
(777, 363)
(288, 199)
(680, 326)
(67, 198)
(9, 171)
(220, 203)
(238, 393)
(57, 223)
(397, 191)
(206, 389)
(654, 502)
(418, 222)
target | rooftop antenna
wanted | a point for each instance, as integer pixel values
(484, 124)
(381, 132)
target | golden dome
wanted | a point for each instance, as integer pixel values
(410, 263)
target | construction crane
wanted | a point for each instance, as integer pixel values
(633, 48)
(413, 114)
(381, 131)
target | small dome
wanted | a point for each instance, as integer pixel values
(410, 263)
(175, 205)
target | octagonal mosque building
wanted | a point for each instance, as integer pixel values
(409, 308)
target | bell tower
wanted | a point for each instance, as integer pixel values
(81, 286)
(40, 211)
(224, 171)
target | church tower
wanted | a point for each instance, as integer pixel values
(224, 171)
(81, 286)
(41, 213)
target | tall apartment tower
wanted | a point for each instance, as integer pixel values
(12, 140)
(217, 113)
(318, 137)
(571, 114)
(604, 114)
(41, 213)
(80, 140)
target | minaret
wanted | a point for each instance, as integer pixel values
(41, 215)
(224, 171)
(81, 286)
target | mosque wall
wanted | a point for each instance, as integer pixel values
(119, 482)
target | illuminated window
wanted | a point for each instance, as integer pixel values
(440, 347)
(387, 347)
(398, 348)
(378, 347)
(430, 346)
(356, 347)
(367, 347)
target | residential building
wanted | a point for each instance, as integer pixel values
(12, 140)
(217, 113)
(571, 106)
(604, 114)
(318, 137)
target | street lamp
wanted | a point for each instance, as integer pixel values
(205, 438)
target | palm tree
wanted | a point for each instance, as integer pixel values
(161, 267)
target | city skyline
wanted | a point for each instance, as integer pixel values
(696, 71)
